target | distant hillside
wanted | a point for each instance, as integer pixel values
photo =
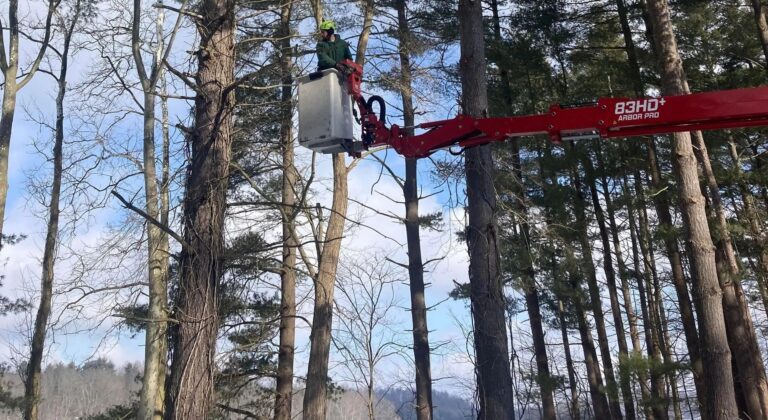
(72, 392)
(446, 406)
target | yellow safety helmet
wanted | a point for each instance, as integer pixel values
(327, 25)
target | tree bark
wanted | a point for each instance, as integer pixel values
(421, 350)
(488, 302)
(740, 329)
(720, 397)
(193, 369)
(284, 386)
(662, 206)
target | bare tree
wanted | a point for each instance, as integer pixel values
(13, 82)
(366, 334)
(67, 22)
(152, 396)
(329, 247)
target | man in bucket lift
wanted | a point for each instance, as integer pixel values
(331, 50)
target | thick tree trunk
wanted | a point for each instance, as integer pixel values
(720, 398)
(610, 278)
(284, 386)
(192, 370)
(741, 331)
(661, 202)
(494, 382)
(421, 350)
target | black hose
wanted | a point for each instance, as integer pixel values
(382, 107)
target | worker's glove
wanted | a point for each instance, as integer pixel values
(344, 69)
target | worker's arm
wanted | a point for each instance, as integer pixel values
(324, 60)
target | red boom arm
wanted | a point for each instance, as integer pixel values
(609, 117)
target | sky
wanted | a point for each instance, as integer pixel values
(94, 335)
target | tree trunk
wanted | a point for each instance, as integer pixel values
(284, 386)
(648, 302)
(596, 389)
(588, 270)
(740, 329)
(645, 391)
(9, 65)
(720, 398)
(666, 350)
(610, 278)
(33, 381)
(152, 395)
(315, 394)
(494, 382)
(192, 369)
(762, 28)
(421, 350)
(574, 408)
(530, 291)
(662, 206)
(753, 221)
(6, 127)
(661, 202)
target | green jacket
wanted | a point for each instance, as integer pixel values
(331, 52)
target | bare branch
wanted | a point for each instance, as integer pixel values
(151, 219)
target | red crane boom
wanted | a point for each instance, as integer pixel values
(607, 118)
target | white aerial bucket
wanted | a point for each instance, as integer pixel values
(325, 113)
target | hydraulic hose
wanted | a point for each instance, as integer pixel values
(382, 107)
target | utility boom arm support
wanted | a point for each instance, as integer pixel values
(608, 118)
